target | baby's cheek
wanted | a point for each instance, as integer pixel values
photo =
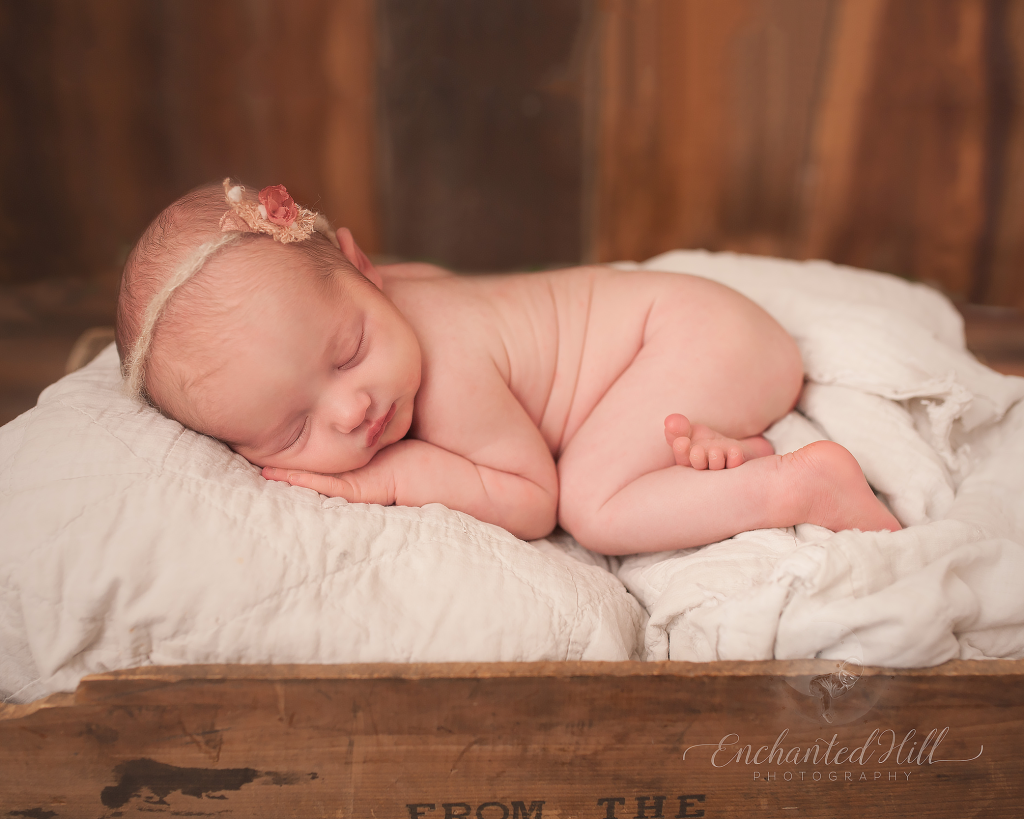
(250, 457)
(333, 462)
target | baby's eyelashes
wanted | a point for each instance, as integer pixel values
(301, 435)
(353, 360)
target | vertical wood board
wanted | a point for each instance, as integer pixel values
(481, 121)
(113, 109)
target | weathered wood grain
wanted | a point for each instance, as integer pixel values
(482, 130)
(348, 166)
(501, 740)
(876, 133)
(916, 202)
(880, 133)
(706, 116)
(111, 109)
(1004, 282)
(844, 83)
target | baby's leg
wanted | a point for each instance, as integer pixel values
(701, 447)
(678, 507)
(727, 365)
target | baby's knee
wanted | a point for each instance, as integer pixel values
(775, 370)
(790, 369)
(594, 537)
(586, 519)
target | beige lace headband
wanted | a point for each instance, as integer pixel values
(276, 215)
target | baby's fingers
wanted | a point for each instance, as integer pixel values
(331, 485)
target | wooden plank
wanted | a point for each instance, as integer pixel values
(482, 130)
(838, 122)
(418, 671)
(777, 61)
(996, 336)
(272, 93)
(914, 203)
(348, 167)
(504, 740)
(1005, 280)
(627, 186)
(662, 115)
(122, 106)
(705, 121)
(881, 134)
(64, 114)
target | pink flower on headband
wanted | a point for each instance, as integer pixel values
(280, 207)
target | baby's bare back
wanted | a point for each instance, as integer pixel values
(559, 340)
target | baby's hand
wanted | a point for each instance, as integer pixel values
(365, 485)
(702, 448)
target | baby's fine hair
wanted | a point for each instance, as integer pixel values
(183, 240)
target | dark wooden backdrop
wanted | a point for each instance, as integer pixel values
(519, 133)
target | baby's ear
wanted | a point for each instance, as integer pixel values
(359, 259)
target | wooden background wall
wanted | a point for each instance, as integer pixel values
(517, 133)
(881, 133)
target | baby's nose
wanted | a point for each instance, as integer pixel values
(351, 413)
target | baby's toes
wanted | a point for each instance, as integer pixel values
(734, 457)
(681, 451)
(698, 457)
(716, 458)
(677, 426)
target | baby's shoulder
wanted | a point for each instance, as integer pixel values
(412, 271)
(454, 322)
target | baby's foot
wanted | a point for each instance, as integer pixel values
(702, 448)
(830, 490)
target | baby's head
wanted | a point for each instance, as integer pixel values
(289, 352)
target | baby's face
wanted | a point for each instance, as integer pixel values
(320, 379)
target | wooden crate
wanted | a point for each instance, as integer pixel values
(523, 741)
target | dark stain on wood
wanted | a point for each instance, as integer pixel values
(33, 813)
(161, 780)
(138, 774)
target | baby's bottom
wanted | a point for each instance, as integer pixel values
(726, 364)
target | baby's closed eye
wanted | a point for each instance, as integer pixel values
(300, 436)
(357, 354)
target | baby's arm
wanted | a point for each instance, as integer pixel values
(479, 453)
(414, 473)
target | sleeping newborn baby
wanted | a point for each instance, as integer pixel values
(626, 406)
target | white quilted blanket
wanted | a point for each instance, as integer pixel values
(933, 430)
(127, 540)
